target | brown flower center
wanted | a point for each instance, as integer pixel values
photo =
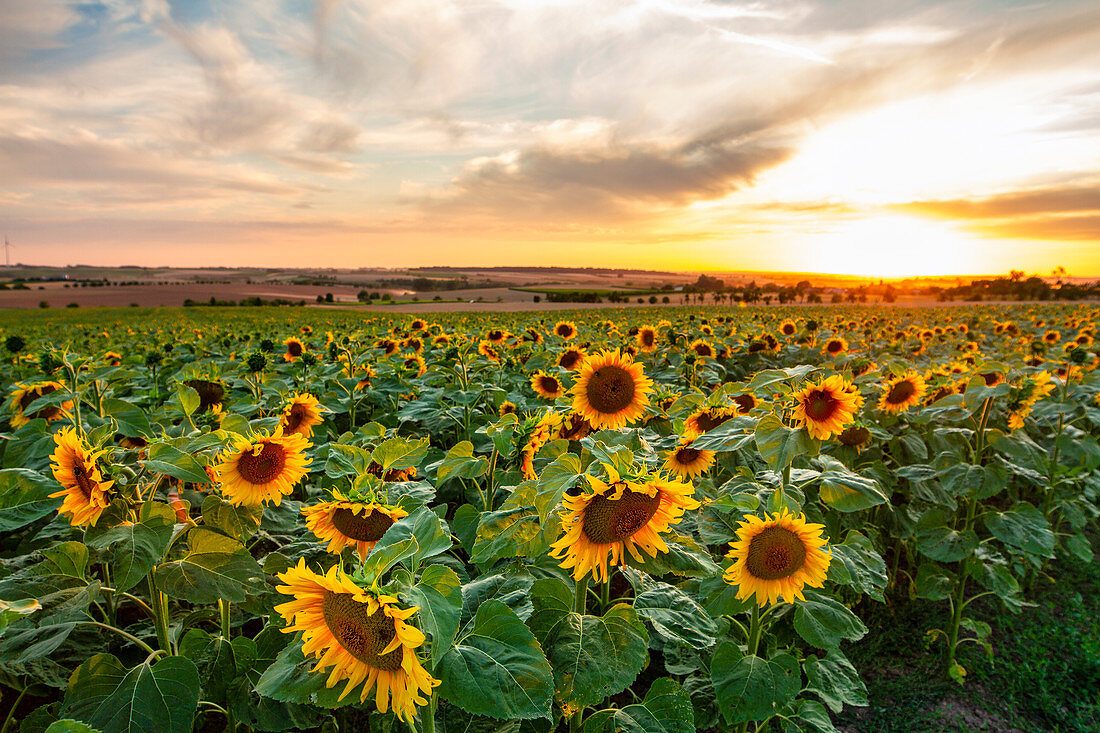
(294, 348)
(703, 350)
(363, 634)
(775, 553)
(855, 436)
(363, 527)
(575, 428)
(569, 359)
(564, 330)
(710, 420)
(687, 456)
(210, 393)
(613, 520)
(819, 405)
(262, 468)
(901, 392)
(610, 389)
(744, 402)
(294, 418)
(46, 413)
(835, 347)
(82, 479)
(648, 337)
(549, 384)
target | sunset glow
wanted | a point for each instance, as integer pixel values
(850, 138)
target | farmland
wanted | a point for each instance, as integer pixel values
(811, 518)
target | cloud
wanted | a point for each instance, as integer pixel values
(33, 25)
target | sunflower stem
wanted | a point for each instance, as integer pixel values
(605, 593)
(122, 633)
(582, 595)
(159, 603)
(227, 628)
(427, 715)
(11, 713)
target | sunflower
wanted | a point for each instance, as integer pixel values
(836, 346)
(24, 395)
(112, 358)
(412, 360)
(547, 386)
(646, 338)
(855, 436)
(363, 637)
(788, 328)
(702, 349)
(611, 391)
(344, 522)
(496, 335)
(417, 325)
(826, 408)
(210, 393)
(74, 467)
(565, 329)
(506, 408)
(619, 516)
(777, 557)
(294, 349)
(902, 392)
(572, 358)
(301, 414)
(487, 350)
(261, 470)
(687, 462)
(746, 403)
(708, 418)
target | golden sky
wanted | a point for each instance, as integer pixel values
(850, 136)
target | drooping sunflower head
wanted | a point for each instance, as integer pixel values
(263, 469)
(26, 394)
(777, 557)
(301, 414)
(573, 427)
(112, 358)
(362, 637)
(414, 362)
(601, 525)
(547, 386)
(486, 349)
(646, 338)
(903, 392)
(572, 358)
(708, 418)
(611, 390)
(855, 436)
(688, 462)
(345, 522)
(825, 408)
(210, 393)
(294, 349)
(82, 485)
(746, 403)
(565, 329)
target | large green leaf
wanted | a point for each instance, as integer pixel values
(24, 497)
(845, 490)
(1023, 527)
(216, 568)
(238, 522)
(673, 614)
(397, 453)
(937, 540)
(856, 563)
(665, 709)
(439, 596)
(131, 420)
(825, 622)
(169, 460)
(425, 528)
(497, 668)
(557, 478)
(835, 681)
(460, 462)
(750, 687)
(593, 656)
(780, 445)
(134, 549)
(158, 698)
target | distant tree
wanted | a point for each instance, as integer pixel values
(652, 299)
(537, 299)
(665, 299)
(43, 304)
(328, 297)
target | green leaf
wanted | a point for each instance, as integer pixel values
(835, 681)
(38, 635)
(673, 614)
(131, 420)
(289, 679)
(439, 596)
(497, 668)
(422, 526)
(939, 542)
(71, 726)
(460, 462)
(158, 698)
(825, 622)
(66, 558)
(346, 460)
(211, 571)
(24, 497)
(1023, 527)
(847, 491)
(857, 564)
(556, 479)
(813, 714)
(729, 436)
(933, 582)
(397, 453)
(238, 522)
(135, 549)
(381, 559)
(593, 656)
(189, 398)
(169, 460)
(750, 687)
(665, 709)
(780, 445)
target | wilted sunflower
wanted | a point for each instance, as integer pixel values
(487, 350)
(210, 393)
(547, 386)
(572, 358)
(26, 394)
(344, 522)
(647, 338)
(294, 349)
(363, 637)
(301, 414)
(611, 391)
(826, 408)
(903, 392)
(777, 557)
(746, 403)
(617, 516)
(687, 462)
(261, 470)
(565, 329)
(82, 485)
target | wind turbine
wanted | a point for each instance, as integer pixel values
(7, 252)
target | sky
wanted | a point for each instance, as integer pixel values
(858, 137)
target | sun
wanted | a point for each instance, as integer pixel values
(894, 246)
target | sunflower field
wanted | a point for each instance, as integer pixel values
(651, 520)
